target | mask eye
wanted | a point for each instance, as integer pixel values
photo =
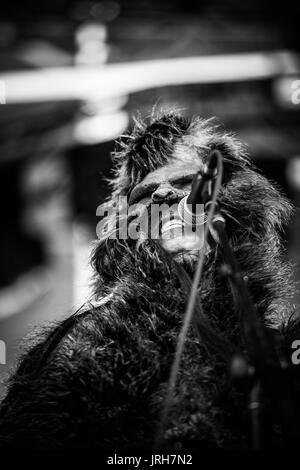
(139, 196)
(179, 183)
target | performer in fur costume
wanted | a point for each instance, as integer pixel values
(99, 379)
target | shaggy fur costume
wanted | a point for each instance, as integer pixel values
(99, 378)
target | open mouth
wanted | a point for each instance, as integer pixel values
(175, 235)
(171, 227)
(179, 238)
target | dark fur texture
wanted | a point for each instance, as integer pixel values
(99, 378)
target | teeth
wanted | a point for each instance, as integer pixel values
(183, 244)
(171, 225)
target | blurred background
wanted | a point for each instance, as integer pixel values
(73, 74)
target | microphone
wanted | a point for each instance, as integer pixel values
(191, 208)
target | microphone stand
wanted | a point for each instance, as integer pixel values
(272, 381)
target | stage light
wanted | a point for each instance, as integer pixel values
(100, 128)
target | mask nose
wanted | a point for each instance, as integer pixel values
(163, 193)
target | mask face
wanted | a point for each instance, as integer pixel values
(157, 198)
